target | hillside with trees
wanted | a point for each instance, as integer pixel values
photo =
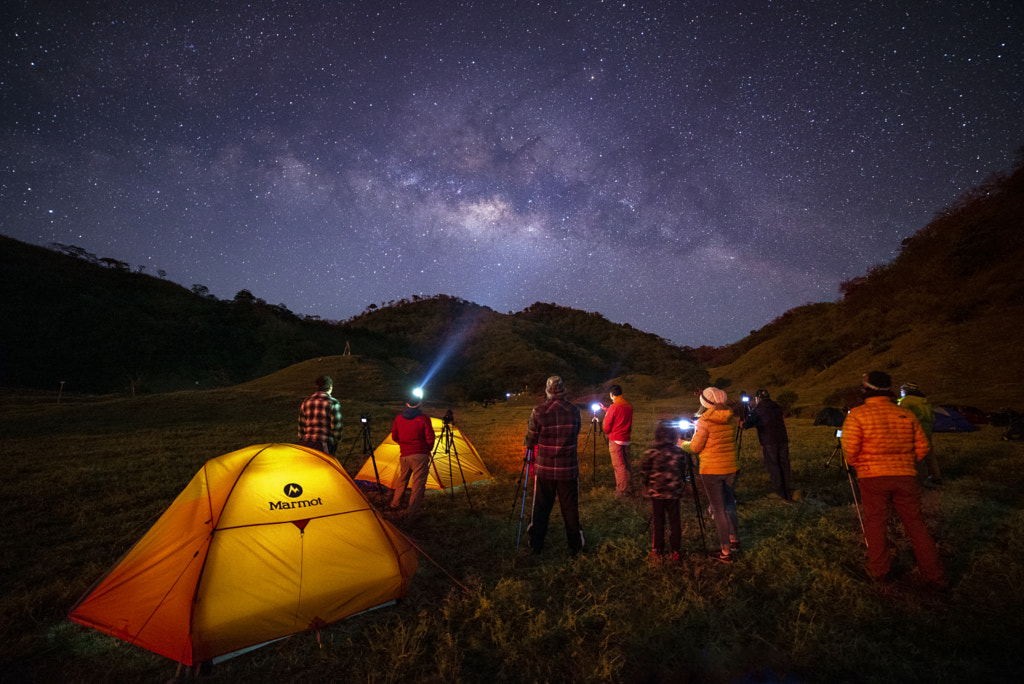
(946, 313)
(92, 325)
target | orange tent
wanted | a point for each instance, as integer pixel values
(264, 542)
(454, 462)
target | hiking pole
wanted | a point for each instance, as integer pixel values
(527, 464)
(523, 472)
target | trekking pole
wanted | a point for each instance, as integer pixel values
(527, 464)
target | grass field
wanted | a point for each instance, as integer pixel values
(84, 479)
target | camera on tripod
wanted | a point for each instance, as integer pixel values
(449, 418)
(365, 419)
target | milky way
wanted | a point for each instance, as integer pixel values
(693, 169)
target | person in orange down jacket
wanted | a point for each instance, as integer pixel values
(883, 443)
(713, 441)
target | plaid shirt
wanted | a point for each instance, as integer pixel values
(320, 420)
(552, 432)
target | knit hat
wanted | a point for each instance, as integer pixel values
(876, 384)
(711, 396)
(555, 386)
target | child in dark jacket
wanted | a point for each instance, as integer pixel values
(664, 471)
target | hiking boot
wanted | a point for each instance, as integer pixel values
(722, 557)
(674, 558)
(734, 545)
(655, 558)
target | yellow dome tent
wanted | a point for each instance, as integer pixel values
(446, 471)
(264, 542)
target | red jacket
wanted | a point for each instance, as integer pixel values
(618, 420)
(413, 431)
(882, 439)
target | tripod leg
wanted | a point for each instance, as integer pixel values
(856, 505)
(696, 503)
(519, 483)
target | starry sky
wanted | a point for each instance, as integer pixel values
(693, 169)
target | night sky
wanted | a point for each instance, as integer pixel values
(694, 169)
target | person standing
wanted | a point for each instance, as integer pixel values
(883, 443)
(618, 425)
(769, 419)
(320, 418)
(713, 440)
(414, 433)
(664, 473)
(912, 398)
(552, 432)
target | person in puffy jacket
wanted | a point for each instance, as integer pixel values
(664, 472)
(918, 404)
(883, 443)
(713, 440)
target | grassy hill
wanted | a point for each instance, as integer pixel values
(947, 313)
(88, 325)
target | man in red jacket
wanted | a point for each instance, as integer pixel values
(414, 433)
(884, 442)
(618, 425)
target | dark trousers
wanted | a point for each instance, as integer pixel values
(544, 494)
(904, 495)
(660, 510)
(776, 460)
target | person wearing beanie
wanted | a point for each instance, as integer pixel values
(618, 425)
(552, 433)
(713, 441)
(912, 398)
(414, 433)
(320, 418)
(883, 442)
(770, 420)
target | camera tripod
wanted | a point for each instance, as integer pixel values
(690, 473)
(837, 451)
(591, 438)
(446, 444)
(364, 435)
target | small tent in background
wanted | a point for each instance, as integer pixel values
(263, 543)
(831, 417)
(446, 471)
(948, 419)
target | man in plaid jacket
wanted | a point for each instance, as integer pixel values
(320, 418)
(552, 433)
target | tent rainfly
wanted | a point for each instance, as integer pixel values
(453, 464)
(264, 542)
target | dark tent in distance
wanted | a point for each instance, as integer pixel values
(832, 417)
(948, 419)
